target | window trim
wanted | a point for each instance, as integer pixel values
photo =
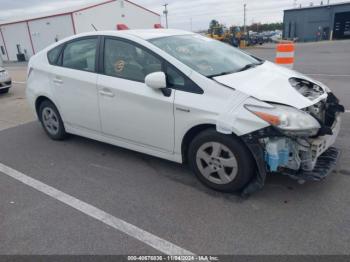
(189, 86)
(3, 50)
(100, 70)
(55, 62)
(59, 60)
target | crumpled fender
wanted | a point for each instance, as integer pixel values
(238, 120)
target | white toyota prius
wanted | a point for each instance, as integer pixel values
(234, 118)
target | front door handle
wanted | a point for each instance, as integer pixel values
(182, 109)
(106, 92)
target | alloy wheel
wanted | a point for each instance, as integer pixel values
(217, 163)
(50, 121)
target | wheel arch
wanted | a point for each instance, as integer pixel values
(38, 101)
(191, 134)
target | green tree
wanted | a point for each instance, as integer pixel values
(213, 23)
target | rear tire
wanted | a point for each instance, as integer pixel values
(51, 121)
(221, 162)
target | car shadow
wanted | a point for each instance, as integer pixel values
(180, 173)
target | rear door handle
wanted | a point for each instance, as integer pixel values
(106, 92)
(58, 81)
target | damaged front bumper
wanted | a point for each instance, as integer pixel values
(323, 159)
(325, 165)
(301, 158)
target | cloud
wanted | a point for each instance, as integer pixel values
(181, 12)
(228, 12)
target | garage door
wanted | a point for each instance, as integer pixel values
(342, 26)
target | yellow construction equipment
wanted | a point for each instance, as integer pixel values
(217, 33)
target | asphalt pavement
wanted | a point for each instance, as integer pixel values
(164, 199)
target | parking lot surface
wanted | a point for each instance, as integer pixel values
(162, 198)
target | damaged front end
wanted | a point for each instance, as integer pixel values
(299, 142)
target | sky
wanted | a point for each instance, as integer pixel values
(183, 14)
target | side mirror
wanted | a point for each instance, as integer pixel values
(156, 80)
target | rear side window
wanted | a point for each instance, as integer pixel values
(80, 54)
(53, 54)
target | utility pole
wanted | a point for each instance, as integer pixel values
(191, 24)
(245, 19)
(165, 12)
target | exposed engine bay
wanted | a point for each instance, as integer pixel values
(299, 156)
(301, 153)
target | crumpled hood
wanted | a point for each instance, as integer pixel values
(270, 83)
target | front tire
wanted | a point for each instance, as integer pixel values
(222, 162)
(51, 121)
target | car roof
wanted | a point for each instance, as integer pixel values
(145, 34)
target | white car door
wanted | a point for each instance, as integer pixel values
(129, 109)
(74, 83)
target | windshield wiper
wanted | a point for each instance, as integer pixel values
(222, 74)
(246, 67)
(249, 66)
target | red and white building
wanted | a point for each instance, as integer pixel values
(31, 34)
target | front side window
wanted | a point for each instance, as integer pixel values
(204, 55)
(80, 54)
(125, 60)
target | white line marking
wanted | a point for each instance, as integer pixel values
(327, 75)
(117, 223)
(347, 111)
(15, 68)
(17, 82)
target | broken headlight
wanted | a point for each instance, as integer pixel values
(289, 120)
(306, 88)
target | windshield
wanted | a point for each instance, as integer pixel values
(206, 56)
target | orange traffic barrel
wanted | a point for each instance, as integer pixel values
(285, 52)
(158, 26)
(122, 27)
